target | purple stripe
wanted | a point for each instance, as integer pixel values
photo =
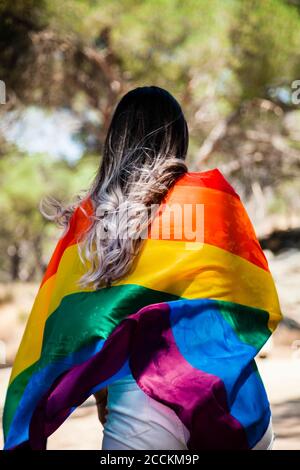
(146, 338)
(198, 398)
(73, 388)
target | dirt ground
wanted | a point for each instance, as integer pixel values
(280, 373)
(280, 370)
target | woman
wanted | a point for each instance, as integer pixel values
(136, 421)
(156, 300)
(160, 136)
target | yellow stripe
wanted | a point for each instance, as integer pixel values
(208, 272)
(62, 283)
(205, 271)
(31, 344)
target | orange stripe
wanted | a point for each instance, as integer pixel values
(79, 223)
(209, 188)
(225, 223)
(210, 179)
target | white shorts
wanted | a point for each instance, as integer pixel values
(136, 421)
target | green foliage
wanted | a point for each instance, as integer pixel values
(24, 181)
(214, 56)
(266, 46)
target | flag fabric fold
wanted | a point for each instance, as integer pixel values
(187, 322)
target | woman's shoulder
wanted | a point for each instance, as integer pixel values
(212, 179)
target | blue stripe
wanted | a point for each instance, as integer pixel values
(208, 343)
(40, 383)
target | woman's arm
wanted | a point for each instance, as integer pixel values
(101, 402)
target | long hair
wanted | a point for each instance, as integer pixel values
(144, 152)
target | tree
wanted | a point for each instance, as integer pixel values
(26, 237)
(230, 64)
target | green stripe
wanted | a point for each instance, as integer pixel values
(84, 316)
(250, 324)
(100, 312)
(13, 396)
(79, 319)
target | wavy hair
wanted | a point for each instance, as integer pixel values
(144, 152)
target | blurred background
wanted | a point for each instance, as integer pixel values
(233, 65)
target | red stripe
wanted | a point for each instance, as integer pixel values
(79, 222)
(210, 179)
(225, 224)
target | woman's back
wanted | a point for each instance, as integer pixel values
(188, 308)
(136, 421)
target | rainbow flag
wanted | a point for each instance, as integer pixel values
(187, 322)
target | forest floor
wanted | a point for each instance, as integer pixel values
(280, 370)
(281, 376)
